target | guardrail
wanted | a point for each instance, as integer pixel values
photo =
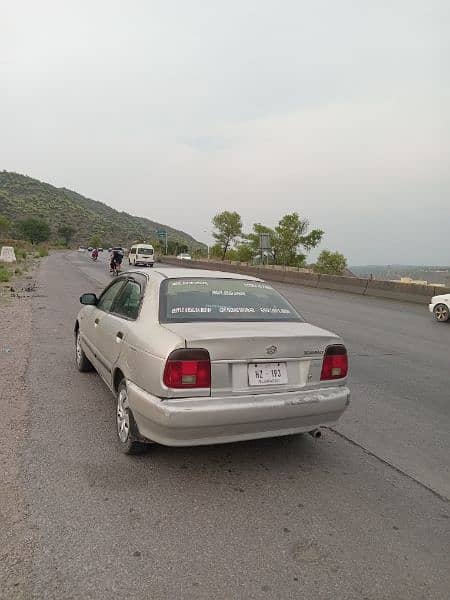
(408, 292)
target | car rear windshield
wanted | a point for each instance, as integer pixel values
(145, 251)
(208, 299)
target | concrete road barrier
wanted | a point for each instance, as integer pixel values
(409, 292)
(354, 285)
(7, 254)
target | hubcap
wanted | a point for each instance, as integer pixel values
(441, 313)
(123, 416)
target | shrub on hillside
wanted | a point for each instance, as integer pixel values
(5, 275)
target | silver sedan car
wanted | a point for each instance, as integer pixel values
(205, 357)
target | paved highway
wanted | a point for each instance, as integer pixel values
(361, 513)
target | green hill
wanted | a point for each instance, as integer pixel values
(22, 197)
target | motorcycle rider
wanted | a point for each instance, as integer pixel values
(116, 258)
(94, 254)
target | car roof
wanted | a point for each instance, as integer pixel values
(176, 272)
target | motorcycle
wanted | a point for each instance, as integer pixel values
(115, 268)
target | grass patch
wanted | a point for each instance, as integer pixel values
(42, 252)
(5, 275)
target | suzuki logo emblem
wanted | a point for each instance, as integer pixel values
(271, 349)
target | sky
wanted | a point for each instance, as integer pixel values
(176, 110)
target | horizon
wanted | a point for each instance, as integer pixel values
(349, 265)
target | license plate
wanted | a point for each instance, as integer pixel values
(267, 373)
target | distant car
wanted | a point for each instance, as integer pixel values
(440, 307)
(80, 249)
(141, 254)
(90, 249)
(209, 358)
(100, 249)
(184, 256)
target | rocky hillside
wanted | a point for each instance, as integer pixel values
(22, 197)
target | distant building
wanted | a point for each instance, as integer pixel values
(442, 281)
(409, 280)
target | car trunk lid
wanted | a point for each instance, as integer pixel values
(297, 346)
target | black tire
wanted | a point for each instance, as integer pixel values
(83, 363)
(441, 313)
(128, 437)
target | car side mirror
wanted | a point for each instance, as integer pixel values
(90, 299)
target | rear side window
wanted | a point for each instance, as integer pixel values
(211, 299)
(127, 304)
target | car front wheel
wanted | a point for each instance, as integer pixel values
(441, 313)
(83, 363)
(127, 431)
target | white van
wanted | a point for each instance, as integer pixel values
(142, 254)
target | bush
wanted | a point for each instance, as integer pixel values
(5, 275)
(17, 271)
(43, 252)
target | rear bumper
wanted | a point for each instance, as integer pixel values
(144, 262)
(199, 421)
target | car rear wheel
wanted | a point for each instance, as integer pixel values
(441, 313)
(127, 431)
(83, 363)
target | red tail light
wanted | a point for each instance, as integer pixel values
(188, 368)
(335, 363)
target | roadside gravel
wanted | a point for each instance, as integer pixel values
(16, 537)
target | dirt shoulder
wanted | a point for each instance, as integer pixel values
(16, 538)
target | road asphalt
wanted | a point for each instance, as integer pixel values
(362, 513)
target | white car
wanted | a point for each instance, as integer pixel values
(184, 256)
(440, 307)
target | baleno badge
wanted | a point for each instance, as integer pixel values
(271, 349)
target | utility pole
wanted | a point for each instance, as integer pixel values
(207, 244)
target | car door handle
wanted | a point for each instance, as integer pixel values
(119, 336)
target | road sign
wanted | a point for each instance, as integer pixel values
(264, 241)
(162, 235)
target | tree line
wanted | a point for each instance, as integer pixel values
(290, 240)
(35, 230)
